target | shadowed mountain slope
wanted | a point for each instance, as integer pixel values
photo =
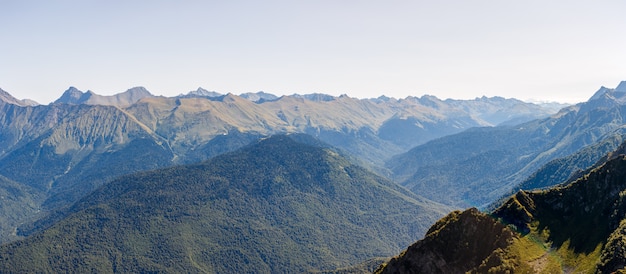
(276, 206)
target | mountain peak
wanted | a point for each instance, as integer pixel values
(73, 96)
(430, 101)
(606, 98)
(617, 92)
(8, 98)
(138, 90)
(621, 87)
(319, 97)
(603, 90)
(202, 93)
(259, 97)
(135, 94)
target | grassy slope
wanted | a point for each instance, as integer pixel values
(576, 221)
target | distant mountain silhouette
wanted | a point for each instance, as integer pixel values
(8, 98)
(124, 99)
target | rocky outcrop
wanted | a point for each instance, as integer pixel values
(458, 243)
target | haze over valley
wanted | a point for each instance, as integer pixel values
(266, 183)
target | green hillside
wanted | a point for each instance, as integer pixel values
(17, 203)
(276, 206)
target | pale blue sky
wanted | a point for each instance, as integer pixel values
(545, 50)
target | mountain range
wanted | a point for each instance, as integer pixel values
(8, 98)
(124, 99)
(479, 165)
(210, 182)
(65, 150)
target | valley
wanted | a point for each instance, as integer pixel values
(210, 182)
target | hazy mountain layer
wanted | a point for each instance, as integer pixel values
(479, 165)
(276, 206)
(373, 129)
(8, 98)
(570, 168)
(124, 99)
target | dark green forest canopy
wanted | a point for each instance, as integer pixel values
(278, 205)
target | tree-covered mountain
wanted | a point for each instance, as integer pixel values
(475, 167)
(18, 203)
(575, 228)
(279, 205)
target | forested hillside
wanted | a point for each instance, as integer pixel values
(275, 206)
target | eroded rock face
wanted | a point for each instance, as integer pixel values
(458, 243)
